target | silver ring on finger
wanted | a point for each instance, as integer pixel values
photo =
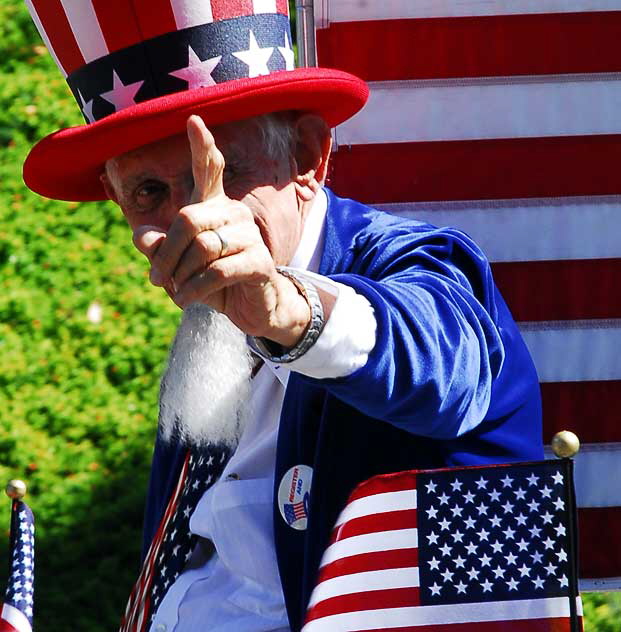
(224, 244)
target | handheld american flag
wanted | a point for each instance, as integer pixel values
(16, 615)
(485, 549)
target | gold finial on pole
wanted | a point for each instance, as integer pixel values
(565, 444)
(16, 489)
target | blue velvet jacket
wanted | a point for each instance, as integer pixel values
(449, 381)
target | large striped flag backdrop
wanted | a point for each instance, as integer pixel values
(503, 118)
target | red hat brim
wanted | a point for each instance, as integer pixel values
(67, 164)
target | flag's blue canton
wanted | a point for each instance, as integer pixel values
(204, 468)
(20, 588)
(493, 534)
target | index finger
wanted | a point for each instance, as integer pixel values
(207, 161)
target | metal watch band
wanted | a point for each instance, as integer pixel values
(265, 348)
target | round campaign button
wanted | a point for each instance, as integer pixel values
(294, 494)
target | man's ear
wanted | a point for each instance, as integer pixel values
(108, 187)
(312, 152)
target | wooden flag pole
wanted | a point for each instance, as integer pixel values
(565, 445)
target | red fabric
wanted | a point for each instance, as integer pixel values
(282, 7)
(156, 17)
(111, 13)
(479, 169)
(58, 30)
(532, 625)
(52, 170)
(231, 9)
(378, 560)
(435, 48)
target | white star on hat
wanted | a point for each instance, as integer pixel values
(121, 96)
(255, 58)
(197, 73)
(87, 108)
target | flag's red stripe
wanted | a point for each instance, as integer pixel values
(590, 409)
(598, 533)
(530, 625)
(375, 523)
(231, 9)
(58, 30)
(384, 484)
(5, 626)
(565, 290)
(376, 561)
(481, 46)
(369, 600)
(156, 17)
(111, 13)
(480, 169)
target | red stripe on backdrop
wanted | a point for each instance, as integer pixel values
(111, 13)
(488, 46)
(231, 9)
(58, 30)
(598, 537)
(282, 7)
(565, 290)
(531, 625)
(374, 523)
(376, 561)
(369, 600)
(480, 169)
(590, 409)
(156, 17)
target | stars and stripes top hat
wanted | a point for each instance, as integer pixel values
(139, 68)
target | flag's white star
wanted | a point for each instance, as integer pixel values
(513, 585)
(520, 494)
(537, 557)
(448, 575)
(434, 564)
(443, 498)
(522, 544)
(524, 571)
(121, 96)
(444, 524)
(506, 481)
(533, 505)
(198, 73)
(456, 485)
(559, 504)
(564, 581)
(287, 53)
(521, 519)
(497, 547)
(469, 522)
(461, 587)
(210, 460)
(499, 572)
(495, 521)
(494, 495)
(547, 517)
(562, 556)
(446, 549)
(432, 512)
(558, 478)
(508, 507)
(550, 568)
(435, 589)
(433, 538)
(471, 548)
(255, 57)
(469, 497)
(87, 108)
(482, 534)
(482, 509)
(538, 582)
(485, 559)
(458, 536)
(457, 510)
(473, 574)
(511, 559)
(545, 491)
(459, 561)
(548, 543)
(535, 531)
(560, 529)
(509, 533)
(481, 483)
(487, 586)
(431, 487)
(532, 479)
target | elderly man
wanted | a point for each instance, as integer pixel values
(323, 342)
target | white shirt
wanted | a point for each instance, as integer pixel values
(238, 588)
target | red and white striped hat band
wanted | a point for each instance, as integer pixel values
(117, 53)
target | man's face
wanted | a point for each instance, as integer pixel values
(152, 183)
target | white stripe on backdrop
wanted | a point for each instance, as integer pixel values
(378, 503)
(356, 10)
(444, 615)
(506, 230)
(85, 26)
(575, 351)
(502, 107)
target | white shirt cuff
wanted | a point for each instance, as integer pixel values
(348, 335)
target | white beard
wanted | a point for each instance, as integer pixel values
(206, 386)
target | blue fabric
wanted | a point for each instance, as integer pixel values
(449, 382)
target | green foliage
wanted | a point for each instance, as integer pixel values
(78, 398)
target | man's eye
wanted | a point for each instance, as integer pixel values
(148, 193)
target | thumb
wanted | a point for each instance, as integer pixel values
(207, 161)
